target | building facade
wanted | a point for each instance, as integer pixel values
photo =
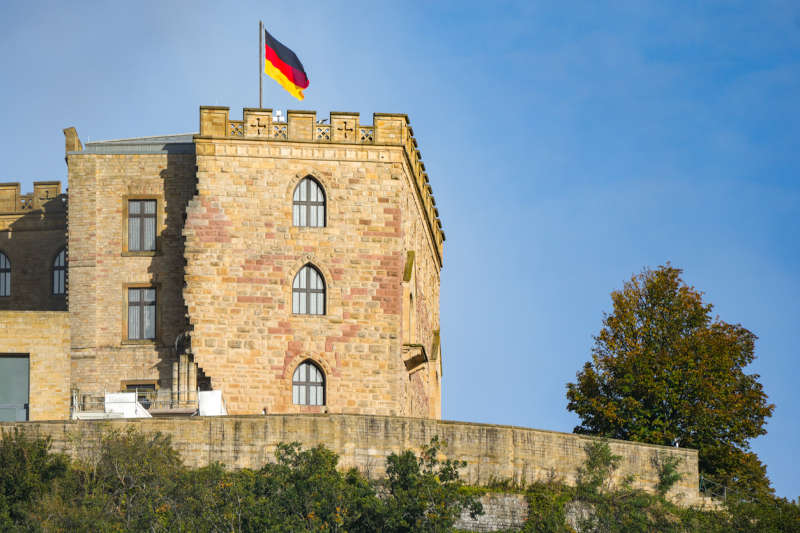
(294, 266)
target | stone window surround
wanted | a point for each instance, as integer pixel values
(305, 205)
(307, 384)
(159, 224)
(124, 315)
(333, 297)
(308, 291)
(54, 269)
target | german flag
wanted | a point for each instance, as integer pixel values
(282, 65)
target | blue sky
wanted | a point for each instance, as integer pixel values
(568, 145)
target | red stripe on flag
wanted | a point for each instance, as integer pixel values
(297, 77)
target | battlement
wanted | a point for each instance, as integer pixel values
(42, 198)
(387, 129)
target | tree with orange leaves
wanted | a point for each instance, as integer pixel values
(663, 371)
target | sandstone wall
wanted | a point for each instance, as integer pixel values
(44, 336)
(31, 234)
(492, 452)
(243, 252)
(101, 268)
(501, 512)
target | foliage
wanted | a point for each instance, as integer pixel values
(132, 481)
(129, 486)
(668, 474)
(303, 491)
(664, 372)
(28, 470)
(595, 473)
(425, 494)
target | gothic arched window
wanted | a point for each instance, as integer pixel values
(60, 273)
(308, 204)
(5, 275)
(308, 292)
(308, 385)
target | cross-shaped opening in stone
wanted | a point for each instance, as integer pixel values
(261, 127)
(344, 129)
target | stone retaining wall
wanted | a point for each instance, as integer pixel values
(492, 453)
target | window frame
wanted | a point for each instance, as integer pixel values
(306, 205)
(55, 269)
(5, 272)
(307, 385)
(126, 304)
(159, 224)
(307, 291)
(147, 385)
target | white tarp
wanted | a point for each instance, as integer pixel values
(125, 404)
(211, 403)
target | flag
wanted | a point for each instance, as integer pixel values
(282, 65)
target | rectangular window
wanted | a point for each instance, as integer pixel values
(141, 225)
(141, 313)
(145, 393)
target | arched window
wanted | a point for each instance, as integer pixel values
(308, 292)
(308, 385)
(60, 273)
(5, 275)
(308, 204)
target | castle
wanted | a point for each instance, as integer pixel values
(284, 268)
(291, 265)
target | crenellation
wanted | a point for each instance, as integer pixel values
(344, 128)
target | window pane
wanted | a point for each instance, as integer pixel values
(5, 283)
(320, 395)
(304, 190)
(312, 396)
(133, 295)
(295, 394)
(149, 295)
(302, 306)
(133, 207)
(295, 302)
(149, 207)
(313, 305)
(149, 322)
(296, 376)
(134, 241)
(302, 398)
(296, 215)
(303, 215)
(133, 323)
(58, 282)
(149, 233)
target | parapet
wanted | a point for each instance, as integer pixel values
(46, 195)
(387, 129)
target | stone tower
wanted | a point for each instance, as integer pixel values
(293, 266)
(350, 204)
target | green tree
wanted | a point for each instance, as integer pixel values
(304, 491)
(664, 372)
(27, 470)
(425, 493)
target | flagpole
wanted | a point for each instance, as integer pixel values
(260, 62)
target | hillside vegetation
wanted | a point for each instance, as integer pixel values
(136, 482)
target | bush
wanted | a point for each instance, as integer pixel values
(28, 470)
